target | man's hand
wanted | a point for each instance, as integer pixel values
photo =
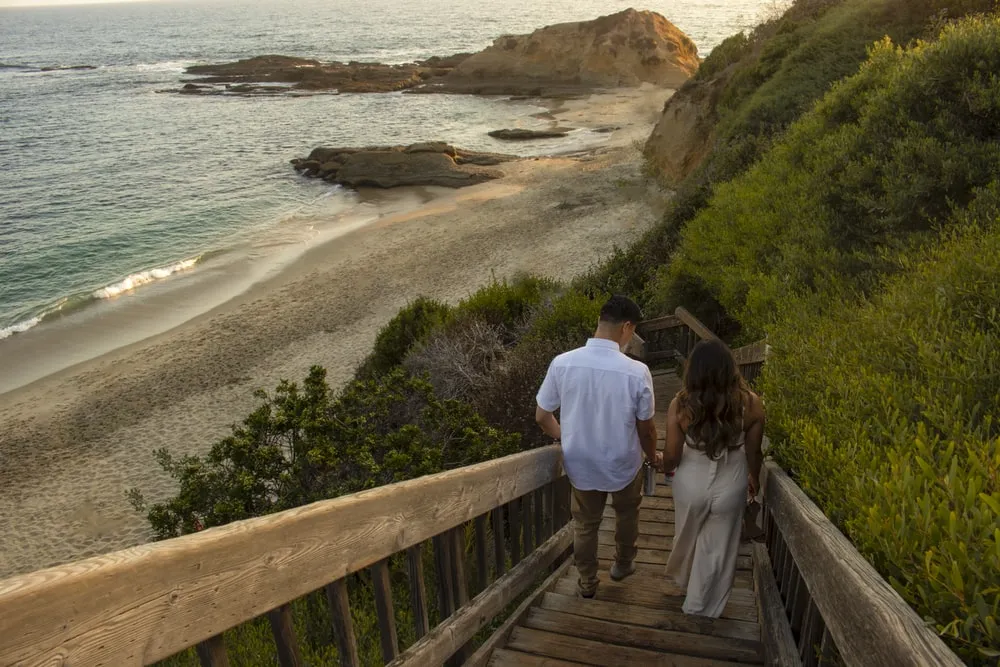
(658, 462)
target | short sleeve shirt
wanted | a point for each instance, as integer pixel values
(601, 393)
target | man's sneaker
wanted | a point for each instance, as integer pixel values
(588, 594)
(619, 571)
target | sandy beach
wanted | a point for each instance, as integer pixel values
(72, 443)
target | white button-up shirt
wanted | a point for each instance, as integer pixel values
(601, 393)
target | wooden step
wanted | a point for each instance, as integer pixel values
(503, 657)
(564, 647)
(623, 634)
(663, 585)
(645, 572)
(647, 514)
(663, 619)
(739, 608)
(648, 528)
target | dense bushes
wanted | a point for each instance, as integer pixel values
(306, 444)
(877, 166)
(889, 416)
(406, 329)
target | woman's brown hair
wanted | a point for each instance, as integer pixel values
(714, 396)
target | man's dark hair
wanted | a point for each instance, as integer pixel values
(620, 309)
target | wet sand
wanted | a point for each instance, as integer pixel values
(72, 443)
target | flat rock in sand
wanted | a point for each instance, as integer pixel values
(428, 163)
(518, 134)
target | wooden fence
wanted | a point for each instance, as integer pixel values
(137, 606)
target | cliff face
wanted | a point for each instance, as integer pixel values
(624, 49)
(684, 134)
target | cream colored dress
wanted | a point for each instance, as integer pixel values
(709, 500)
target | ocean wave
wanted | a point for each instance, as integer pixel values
(73, 303)
(141, 278)
(19, 327)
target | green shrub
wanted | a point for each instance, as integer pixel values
(567, 320)
(303, 445)
(888, 415)
(411, 325)
(880, 163)
(729, 52)
(504, 304)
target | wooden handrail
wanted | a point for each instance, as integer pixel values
(139, 605)
(694, 324)
(869, 623)
(754, 353)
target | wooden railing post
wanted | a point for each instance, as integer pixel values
(418, 590)
(442, 570)
(283, 630)
(212, 652)
(384, 610)
(499, 552)
(460, 588)
(514, 514)
(343, 624)
(482, 566)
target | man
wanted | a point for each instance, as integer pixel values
(606, 403)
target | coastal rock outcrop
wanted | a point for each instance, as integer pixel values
(304, 74)
(518, 134)
(430, 163)
(624, 49)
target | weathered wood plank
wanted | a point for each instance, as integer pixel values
(343, 624)
(212, 652)
(527, 523)
(283, 629)
(650, 591)
(654, 502)
(460, 587)
(647, 327)
(538, 509)
(418, 590)
(591, 652)
(499, 549)
(665, 641)
(736, 610)
(442, 572)
(646, 514)
(388, 639)
(743, 579)
(514, 518)
(663, 619)
(140, 605)
(450, 636)
(499, 637)
(482, 567)
(647, 528)
(659, 556)
(550, 510)
(754, 353)
(506, 658)
(779, 644)
(869, 622)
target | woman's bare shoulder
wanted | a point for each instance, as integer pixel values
(754, 407)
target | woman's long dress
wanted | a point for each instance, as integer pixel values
(709, 500)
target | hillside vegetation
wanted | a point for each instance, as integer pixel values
(847, 208)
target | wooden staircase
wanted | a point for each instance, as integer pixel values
(804, 596)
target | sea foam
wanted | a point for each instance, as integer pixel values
(135, 280)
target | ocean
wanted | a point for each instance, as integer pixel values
(111, 192)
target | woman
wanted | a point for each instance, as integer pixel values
(715, 425)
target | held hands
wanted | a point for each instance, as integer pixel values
(657, 462)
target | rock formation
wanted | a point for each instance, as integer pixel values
(685, 131)
(302, 74)
(518, 134)
(624, 49)
(432, 163)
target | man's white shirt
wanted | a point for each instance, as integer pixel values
(601, 394)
